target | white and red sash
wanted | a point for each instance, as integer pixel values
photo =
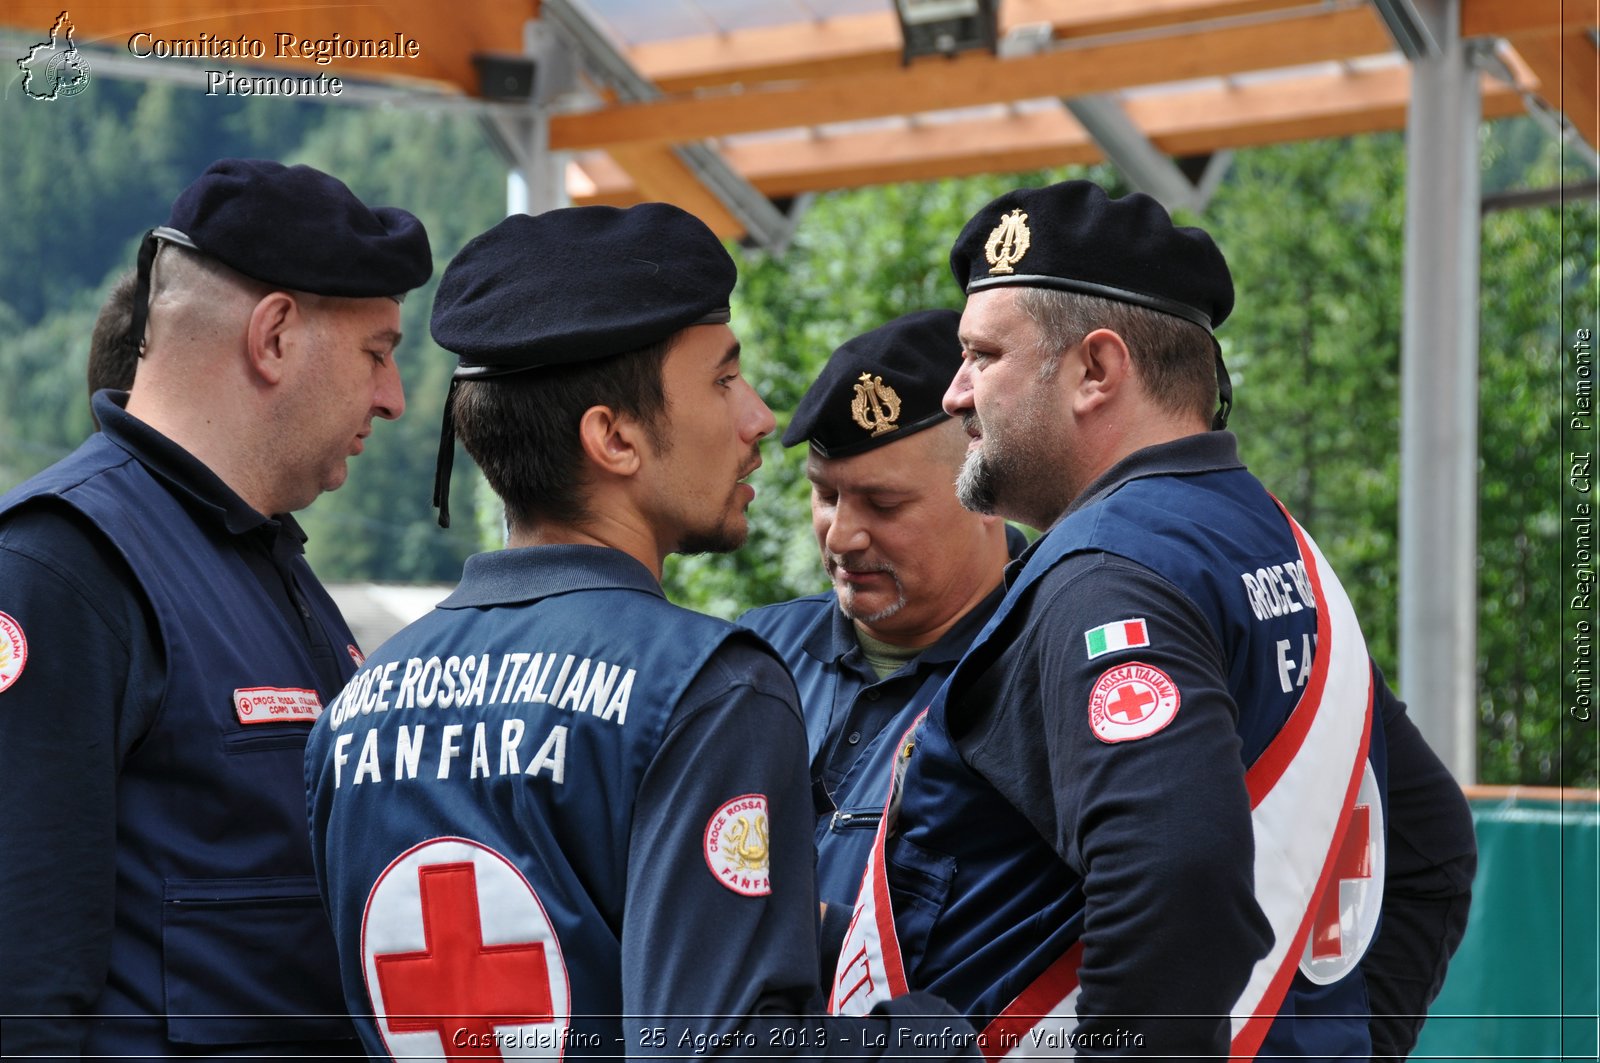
(1303, 790)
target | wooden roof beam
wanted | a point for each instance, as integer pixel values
(976, 79)
(849, 45)
(1565, 65)
(1188, 123)
(1513, 18)
(446, 34)
(659, 174)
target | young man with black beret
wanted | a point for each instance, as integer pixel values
(164, 647)
(560, 814)
(914, 575)
(1163, 801)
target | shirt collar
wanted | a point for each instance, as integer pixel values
(183, 473)
(1187, 456)
(836, 635)
(527, 573)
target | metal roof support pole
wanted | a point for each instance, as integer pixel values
(1147, 169)
(536, 181)
(519, 129)
(1439, 401)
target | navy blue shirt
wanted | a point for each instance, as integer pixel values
(852, 717)
(89, 694)
(1021, 721)
(608, 749)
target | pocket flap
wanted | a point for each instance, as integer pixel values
(249, 961)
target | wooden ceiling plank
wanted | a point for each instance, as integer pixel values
(976, 79)
(1187, 123)
(1566, 67)
(855, 44)
(659, 174)
(446, 35)
(1513, 18)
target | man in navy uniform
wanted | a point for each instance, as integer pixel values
(164, 647)
(559, 812)
(1163, 801)
(914, 574)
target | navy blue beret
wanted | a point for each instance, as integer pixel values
(579, 284)
(1072, 236)
(881, 386)
(296, 227)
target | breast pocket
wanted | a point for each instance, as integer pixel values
(249, 961)
(919, 884)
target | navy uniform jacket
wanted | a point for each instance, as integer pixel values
(560, 811)
(853, 718)
(1126, 832)
(153, 854)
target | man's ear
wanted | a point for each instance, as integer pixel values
(1107, 370)
(269, 335)
(614, 442)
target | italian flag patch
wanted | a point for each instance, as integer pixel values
(1123, 635)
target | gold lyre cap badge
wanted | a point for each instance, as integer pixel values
(1008, 242)
(876, 406)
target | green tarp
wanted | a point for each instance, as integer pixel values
(1524, 985)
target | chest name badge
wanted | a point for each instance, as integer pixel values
(276, 705)
(736, 845)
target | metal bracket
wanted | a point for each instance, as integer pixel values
(768, 226)
(1141, 162)
(1417, 26)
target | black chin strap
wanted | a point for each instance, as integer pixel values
(1224, 395)
(447, 458)
(141, 291)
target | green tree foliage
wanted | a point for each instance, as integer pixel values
(1313, 235)
(1538, 283)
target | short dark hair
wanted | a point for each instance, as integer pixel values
(522, 429)
(1176, 359)
(113, 353)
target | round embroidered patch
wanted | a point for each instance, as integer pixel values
(13, 651)
(461, 959)
(355, 654)
(736, 845)
(1131, 701)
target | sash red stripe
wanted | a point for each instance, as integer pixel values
(894, 968)
(1269, 767)
(1041, 997)
(1264, 774)
(1249, 1039)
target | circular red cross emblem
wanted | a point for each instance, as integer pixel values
(1131, 701)
(460, 958)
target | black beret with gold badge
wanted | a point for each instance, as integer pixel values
(880, 386)
(1074, 237)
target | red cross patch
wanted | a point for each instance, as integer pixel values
(1130, 701)
(1346, 916)
(460, 958)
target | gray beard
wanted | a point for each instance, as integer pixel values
(977, 486)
